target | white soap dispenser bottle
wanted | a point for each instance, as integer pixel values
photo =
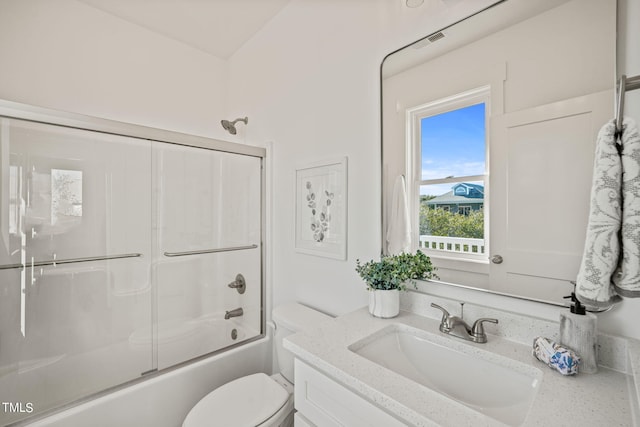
(578, 331)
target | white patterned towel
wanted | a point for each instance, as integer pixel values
(611, 261)
(626, 278)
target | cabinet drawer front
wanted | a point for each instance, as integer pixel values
(326, 403)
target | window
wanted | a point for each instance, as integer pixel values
(448, 165)
(66, 196)
(464, 210)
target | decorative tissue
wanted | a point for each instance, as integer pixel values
(556, 356)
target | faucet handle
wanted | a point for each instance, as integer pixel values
(239, 284)
(478, 330)
(445, 313)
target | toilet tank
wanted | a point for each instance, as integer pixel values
(289, 319)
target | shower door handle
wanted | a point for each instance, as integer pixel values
(55, 262)
(210, 251)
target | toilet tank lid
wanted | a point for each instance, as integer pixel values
(246, 401)
(297, 317)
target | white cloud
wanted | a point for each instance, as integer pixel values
(455, 169)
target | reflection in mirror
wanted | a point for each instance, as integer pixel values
(66, 196)
(492, 121)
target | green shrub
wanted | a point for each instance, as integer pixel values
(439, 222)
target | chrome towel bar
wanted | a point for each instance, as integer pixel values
(68, 261)
(210, 251)
(625, 84)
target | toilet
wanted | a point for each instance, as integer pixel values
(259, 399)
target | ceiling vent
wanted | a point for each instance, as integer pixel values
(428, 40)
(435, 37)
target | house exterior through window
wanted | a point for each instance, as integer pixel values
(448, 165)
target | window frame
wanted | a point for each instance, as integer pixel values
(413, 149)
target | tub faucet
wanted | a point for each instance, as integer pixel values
(233, 313)
(454, 325)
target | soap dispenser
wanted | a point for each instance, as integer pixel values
(578, 331)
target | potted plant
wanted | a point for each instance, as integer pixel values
(385, 278)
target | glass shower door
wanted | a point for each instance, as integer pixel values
(208, 237)
(119, 256)
(75, 256)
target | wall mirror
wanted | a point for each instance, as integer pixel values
(489, 130)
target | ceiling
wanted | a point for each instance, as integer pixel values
(218, 27)
(491, 20)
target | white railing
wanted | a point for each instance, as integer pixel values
(452, 244)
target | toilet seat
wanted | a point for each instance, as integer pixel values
(246, 401)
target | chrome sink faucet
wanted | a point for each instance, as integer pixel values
(454, 325)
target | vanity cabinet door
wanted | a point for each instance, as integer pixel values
(325, 403)
(542, 163)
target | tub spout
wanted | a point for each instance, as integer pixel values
(233, 313)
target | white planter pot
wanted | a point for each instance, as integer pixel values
(385, 304)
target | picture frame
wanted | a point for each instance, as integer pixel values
(321, 208)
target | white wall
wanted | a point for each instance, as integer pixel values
(309, 81)
(628, 52)
(65, 55)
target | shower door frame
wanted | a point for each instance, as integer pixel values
(29, 113)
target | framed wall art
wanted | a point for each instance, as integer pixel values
(321, 209)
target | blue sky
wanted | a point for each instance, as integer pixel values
(453, 144)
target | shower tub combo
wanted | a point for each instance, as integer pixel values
(126, 252)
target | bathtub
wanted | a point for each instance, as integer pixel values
(165, 399)
(185, 339)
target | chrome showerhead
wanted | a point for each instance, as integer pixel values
(231, 126)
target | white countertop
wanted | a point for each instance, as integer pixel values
(600, 399)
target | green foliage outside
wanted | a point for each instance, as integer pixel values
(438, 222)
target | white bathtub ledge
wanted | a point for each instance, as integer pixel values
(586, 400)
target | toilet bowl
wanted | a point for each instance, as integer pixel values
(258, 399)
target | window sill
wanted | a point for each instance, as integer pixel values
(462, 263)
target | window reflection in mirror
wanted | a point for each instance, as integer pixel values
(66, 196)
(447, 185)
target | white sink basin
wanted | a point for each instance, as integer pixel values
(494, 385)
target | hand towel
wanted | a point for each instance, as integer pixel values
(626, 278)
(399, 226)
(558, 357)
(611, 260)
(602, 246)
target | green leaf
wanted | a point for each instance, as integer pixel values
(394, 272)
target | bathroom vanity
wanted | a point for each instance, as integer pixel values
(360, 370)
